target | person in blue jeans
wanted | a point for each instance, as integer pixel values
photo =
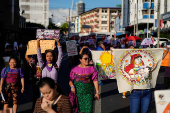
(142, 97)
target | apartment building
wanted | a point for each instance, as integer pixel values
(99, 20)
(146, 13)
(36, 11)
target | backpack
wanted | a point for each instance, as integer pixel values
(7, 70)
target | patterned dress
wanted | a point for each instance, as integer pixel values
(83, 79)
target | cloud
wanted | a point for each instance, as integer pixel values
(59, 13)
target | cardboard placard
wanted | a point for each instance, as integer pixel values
(71, 48)
(44, 45)
(49, 34)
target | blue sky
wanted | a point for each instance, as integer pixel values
(65, 4)
(60, 8)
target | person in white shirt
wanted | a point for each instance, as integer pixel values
(15, 45)
(8, 43)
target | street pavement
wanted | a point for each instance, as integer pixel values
(111, 101)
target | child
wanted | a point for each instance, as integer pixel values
(10, 79)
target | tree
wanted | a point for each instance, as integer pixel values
(52, 26)
(64, 28)
(35, 25)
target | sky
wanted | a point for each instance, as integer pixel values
(60, 8)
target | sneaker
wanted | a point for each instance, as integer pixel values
(123, 96)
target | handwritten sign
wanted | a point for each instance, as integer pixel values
(46, 33)
(71, 48)
(44, 45)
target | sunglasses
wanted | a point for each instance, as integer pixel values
(86, 58)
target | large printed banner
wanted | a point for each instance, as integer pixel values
(44, 45)
(71, 48)
(48, 33)
(104, 63)
(137, 69)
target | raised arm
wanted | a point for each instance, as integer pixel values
(28, 59)
(81, 51)
(39, 56)
(60, 53)
(165, 53)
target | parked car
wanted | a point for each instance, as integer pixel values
(161, 40)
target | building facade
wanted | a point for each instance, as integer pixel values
(99, 20)
(146, 13)
(77, 24)
(35, 11)
(9, 21)
(80, 7)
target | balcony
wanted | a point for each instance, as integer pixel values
(114, 14)
(152, 16)
(103, 24)
(146, 5)
(145, 16)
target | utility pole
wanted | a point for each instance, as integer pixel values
(158, 17)
(137, 20)
(148, 19)
(69, 25)
(134, 19)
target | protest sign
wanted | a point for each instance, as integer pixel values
(104, 63)
(166, 60)
(137, 68)
(91, 41)
(162, 101)
(44, 45)
(71, 48)
(49, 34)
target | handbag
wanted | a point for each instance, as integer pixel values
(74, 102)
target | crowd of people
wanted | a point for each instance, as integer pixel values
(43, 71)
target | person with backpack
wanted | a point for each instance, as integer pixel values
(51, 64)
(10, 79)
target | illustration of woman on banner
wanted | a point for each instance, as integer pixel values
(136, 69)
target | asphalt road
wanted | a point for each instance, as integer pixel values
(111, 101)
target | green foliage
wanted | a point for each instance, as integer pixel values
(52, 26)
(165, 35)
(35, 25)
(64, 28)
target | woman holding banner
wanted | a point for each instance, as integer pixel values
(83, 78)
(50, 65)
(140, 97)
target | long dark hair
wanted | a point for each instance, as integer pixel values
(54, 56)
(84, 53)
(50, 82)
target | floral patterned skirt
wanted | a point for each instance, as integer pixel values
(85, 95)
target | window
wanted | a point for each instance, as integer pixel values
(25, 0)
(105, 28)
(27, 16)
(25, 7)
(146, 0)
(104, 22)
(104, 11)
(152, 11)
(145, 12)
